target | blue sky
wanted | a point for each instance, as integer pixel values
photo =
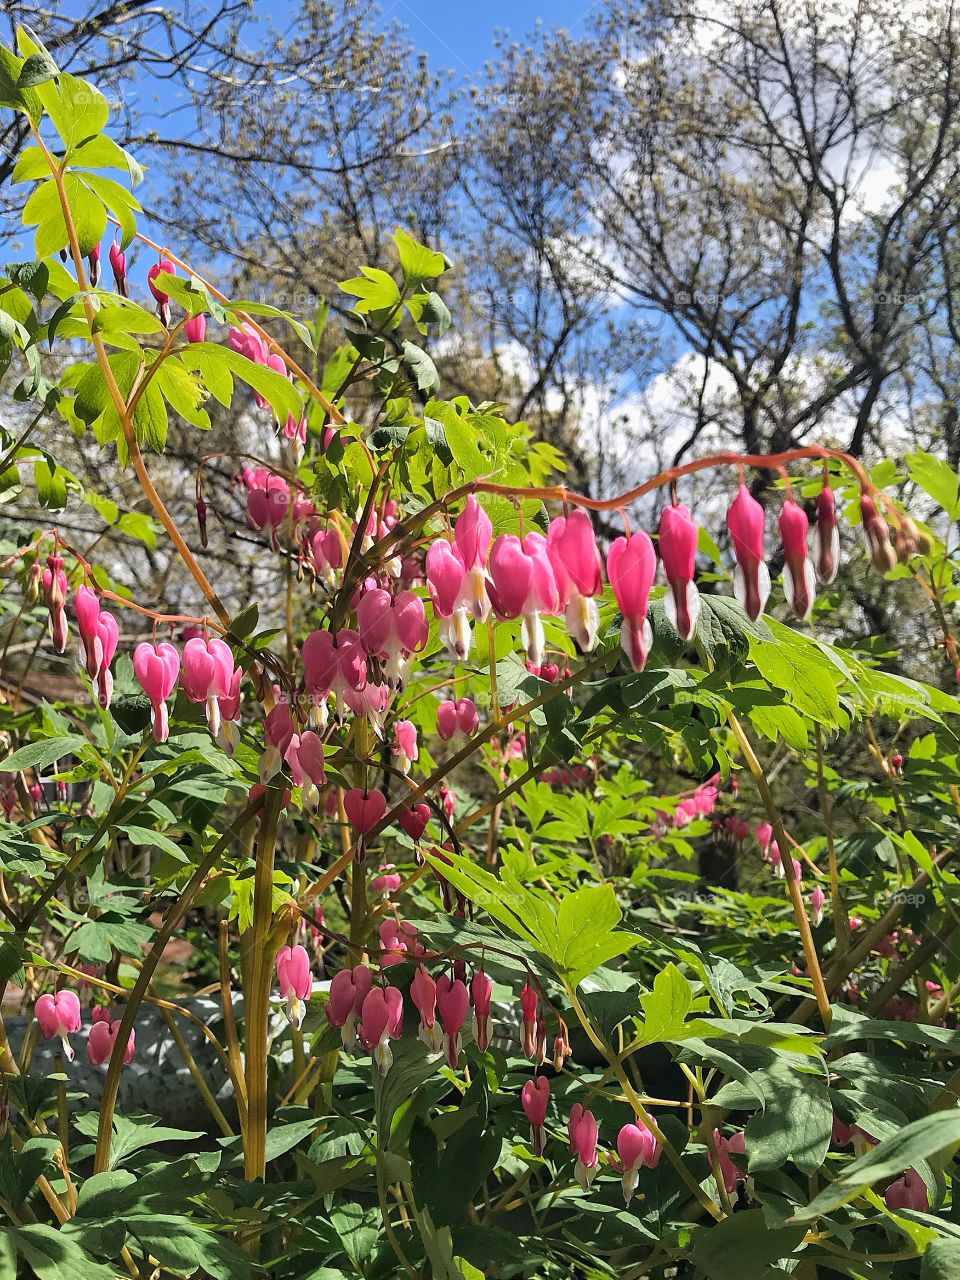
(460, 36)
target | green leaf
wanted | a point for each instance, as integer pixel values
(150, 417)
(37, 69)
(941, 1261)
(418, 263)
(37, 755)
(44, 212)
(744, 1247)
(916, 1142)
(375, 290)
(794, 1126)
(422, 367)
(215, 361)
(103, 153)
(586, 934)
(937, 478)
(665, 1008)
(88, 212)
(52, 1254)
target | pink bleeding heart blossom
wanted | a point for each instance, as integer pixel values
(746, 521)
(730, 1173)
(460, 717)
(405, 744)
(206, 674)
(799, 584)
(118, 265)
(472, 533)
(528, 1018)
(575, 558)
(195, 329)
(398, 942)
(334, 664)
(877, 535)
(637, 1149)
(248, 343)
(523, 585)
(481, 992)
(326, 552)
(908, 1192)
(414, 820)
(535, 1097)
(387, 882)
(372, 701)
(103, 1036)
(453, 1002)
(364, 810)
(817, 900)
(305, 756)
(156, 667)
(423, 993)
(296, 981)
(392, 628)
(584, 1132)
(381, 1020)
(54, 584)
(59, 1015)
(348, 990)
(163, 299)
(678, 553)
(631, 568)
(446, 578)
(99, 634)
(826, 537)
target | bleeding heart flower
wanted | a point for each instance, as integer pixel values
(826, 538)
(584, 1132)
(575, 558)
(296, 981)
(453, 1003)
(481, 991)
(535, 1097)
(638, 1149)
(631, 568)
(59, 1015)
(799, 585)
(678, 552)
(157, 666)
(746, 521)
(348, 991)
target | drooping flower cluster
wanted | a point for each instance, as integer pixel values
(58, 1016)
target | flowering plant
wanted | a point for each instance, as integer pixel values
(428, 809)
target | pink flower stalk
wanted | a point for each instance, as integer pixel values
(195, 329)
(391, 629)
(59, 1015)
(678, 553)
(103, 1036)
(156, 667)
(423, 993)
(631, 568)
(575, 558)
(381, 1020)
(348, 990)
(118, 264)
(535, 1097)
(405, 744)
(817, 900)
(528, 1018)
(296, 981)
(387, 882)
(334, 664)
(638, 1149)
(54, 583)
(908, 1192)
(163, 299)
(736, 1145)
(584, 1131)
(751, 577)
(414, 820)
(453, 1002)
(481, 991)
(826, 539)
(472, 534)
(523, 585)
(206, 674)
(799, 584)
